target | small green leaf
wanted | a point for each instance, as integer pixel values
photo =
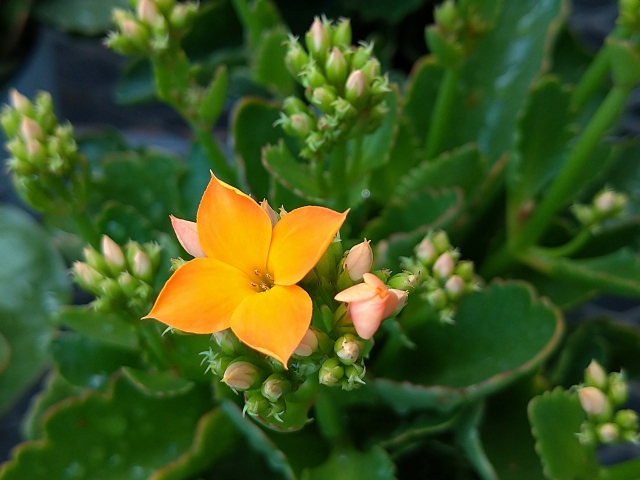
(211, 106)
(88, 17)
(269, 69)
(158, 384)
(252, 124)
(87, 362)
(121, 434)
(107, 327)
(348, 463)
(555, 420)
(293, 175)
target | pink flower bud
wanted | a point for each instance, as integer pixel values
(19, 101)
(112, 254)
(147, 12)
(593, 401)
(187, 233)
(30, 129)
(444, 265)
(369, 303)
(426, 252)
(359, 260)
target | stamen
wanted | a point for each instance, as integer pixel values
(254, 285)
(257, 272)
(268, 275)
(264, 287)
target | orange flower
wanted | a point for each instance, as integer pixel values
(370, 303)
(246, 274)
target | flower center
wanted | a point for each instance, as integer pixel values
(262, 281)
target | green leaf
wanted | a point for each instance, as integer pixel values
(158, 384)
(261, 15)
(347, 463)
(86, 362)
(211, 106)
(137, 84)
(123, 223)
(377, 145)
(497, 75)
(109, 328)
(286, 169)
(541, 145)
(5, 353)
(113, 435)
(555, 419)
(87, 17)
(269, 69)
(617, 273)
(252, 124)
(500, 334)
(34, 283)
(194, 183)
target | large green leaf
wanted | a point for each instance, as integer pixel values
(555, 420)
(289, 172)
(499, 335)
(114, 435)
(269, 68)
(109, 328)
(348, 463)
(33, 283)
(88, 17)
(497, 76)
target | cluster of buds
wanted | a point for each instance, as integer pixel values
(604, 206)
(443, 278)
(48, 172)
(152, 25)
(120, 278)
(629, 14)
(600, 396)
(342, 83)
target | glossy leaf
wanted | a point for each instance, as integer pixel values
(33, 282)
(496, 77)
(88, 17)
(269, 68)
(347, 463)
(555, 420)
(158, 384)
(113, 435)
(499, 335)
(107, 327)
(279, 161)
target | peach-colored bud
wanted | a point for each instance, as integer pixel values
(19, 101)
(593, 401)
(595, 375)
(112, 254)
(87, 277)
(356, 83)
(147, 12)
(141, 264)
(444, 265)
(359, 260)
(426, 252)
(608, 433)
(130, 28)
(454, 286)
(308, 344)
(273, 216)
(240, 375)
(30, 129)
(187, 233)
(319, 35)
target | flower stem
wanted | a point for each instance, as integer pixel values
(441, 116)
(562, 186)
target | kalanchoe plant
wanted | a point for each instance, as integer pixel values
(369, 282)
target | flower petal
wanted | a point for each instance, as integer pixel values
(373, 281)
(201, 296)
(274, 322)
(367, 316)
(356, 293)
(299, 239)
(187, 233)
(233, 228)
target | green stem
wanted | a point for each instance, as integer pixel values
(339, 176)
(87, 229)
(569, 248)
(219, 164)
(629, 470)
(441, 116)
(563, 185)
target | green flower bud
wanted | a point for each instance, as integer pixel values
(344, 111)
(353, 377)
(323, 98)
(608, 433)
(296, 58)
(440, 241)
(257, 406)
(609, 204)
(595, 403)
(165, 6)
(464, 269)
(275, 386)
(331, 372)
(327, 266)
(406, 281)
(371, 69)
(303, 367)
(20, 102)
(87, 277)
(356, 90)
(242, 375)
(318, 40)
(311, 77)
(595, 376)
(361, 56)
(299, 125)
(627, 420)
(336, 68)
(144, 292)
(154, 252)
(292, 105)
(147, 12)
(446, 16)
(110, 289)
(277, 409)
(437, 299)
(128, 284)
(618, 389)
(587, 435)
(584, 213)
(227, 341)
(182, 16)
(348, 349)
(341, 33)
(113, 255)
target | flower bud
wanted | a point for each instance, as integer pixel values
(154, 252)
(627, 420)
(361, 56)
(341, 33)
(296, 58)
(292, 105)
(311, 77)
(36, 153)
(353, 377)
(464, 269)
(128, 284)
(618, 388)
(227, 341)
(403, 298)
(147, 12)
(241, 376)
(348, 349)
(406, 281)
(176, 263)
(331, 372)
(278, 407)
(371, 69)
(426, 252)
(308, 345)
(587, 435)
(87, 277)
(437, 299)
(336, 67)
(446, 16)
(608, 433)
(183, 15)
(359, 260)
(440, 241)
(256, 405)
(113, 255)
(30, 130)
(595, 403)
(318, 40)
(141, 267)
(275, 386)
(298, 125)
(595, 376)
(110, 289)
(444, 265)
(323, 98)
(356, 90)
(303, 366)
(454, 287)
(20, 102)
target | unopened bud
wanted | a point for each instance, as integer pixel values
(275, 386)
(454, 287)
(331, 372)
(110, 289)
(30, 130)
(341, 34)
(359, 260)
(371, 69)
(464, 269)
(241, 376)
(182, 15)
(446, 16)
(176, 263)
(147, 12)
(444, 265)
(292, 105)
(356, 90)
(141, 266)
(406, 281)
(318, 40)
(227, 341)
(361, 56)
(296, 58)
(440, 241)
(87, 277)
(595, 376)
(353, 377)
(308, 345)
(403, 297)
(348, 349)
(627, 420)
(426, 252)
(595, 403)
(298, 125)
(128, 284)
(323, 98)
(587, 435)
(336, 67)
(618, 388)
(437, 299)
(608, 433)
(112, 255)
(257, 405)
(19, 102)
